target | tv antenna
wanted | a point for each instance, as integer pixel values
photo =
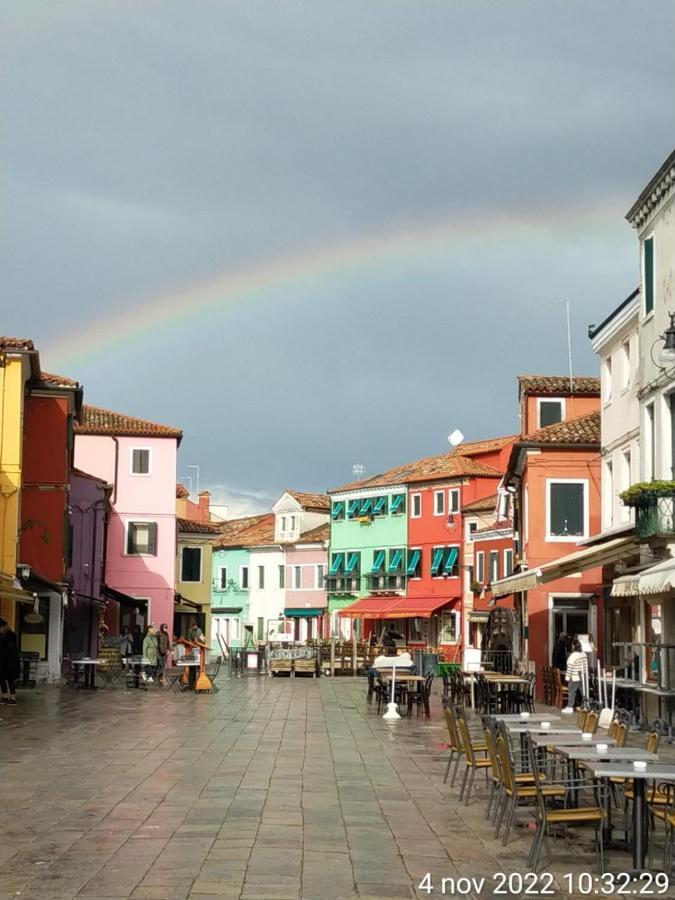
(358, 471)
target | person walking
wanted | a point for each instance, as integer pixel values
(163, 648)
(10, 664)
(577, 674)
(150, 654)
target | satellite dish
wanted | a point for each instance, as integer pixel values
(456, 438)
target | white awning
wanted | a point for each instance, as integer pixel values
(521, 581)
(10, 589)
(479, 615)
(658, 579)
(626, 586)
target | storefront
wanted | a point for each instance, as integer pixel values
(432, 624)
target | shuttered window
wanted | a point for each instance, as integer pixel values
(649, 274)
(142, 538)
(191, 564)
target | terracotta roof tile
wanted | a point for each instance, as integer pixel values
(61, 380)
(581, 430)
(476, 448)
(496, 526)
(485, 504)
(182, 492)
(558, 384)
(316, 535)
(95, 420)
(311, 502)
(189, 525)
(238, 532)
(431, 468)
(15, 343)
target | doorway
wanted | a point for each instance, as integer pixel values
(572, 615)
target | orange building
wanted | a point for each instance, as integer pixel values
(554, 475)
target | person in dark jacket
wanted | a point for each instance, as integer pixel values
(136, 641)
(163, 648)
(559, 655)
(9, 663)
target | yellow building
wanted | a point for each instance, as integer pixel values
(18, 361)
(193, 575)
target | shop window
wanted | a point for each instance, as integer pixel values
(33, 635)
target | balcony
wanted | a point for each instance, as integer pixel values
(343, 584)
(655, 516)
(385, 584)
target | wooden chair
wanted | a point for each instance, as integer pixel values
(560, 690)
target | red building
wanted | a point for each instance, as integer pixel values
(51, 406)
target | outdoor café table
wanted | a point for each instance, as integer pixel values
(570, 740)
(88, 673)
(533, 717)
(526, 727)
(656, 771)
(188, 664)
(493, 678)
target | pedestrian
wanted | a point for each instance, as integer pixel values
(9, 663)
(195, 633)
(163, 648)
(126, 642)
(577, 673)
(150, 654)
(136, 641)
(178, 650)
(559, 655)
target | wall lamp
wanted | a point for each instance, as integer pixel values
(667, 351)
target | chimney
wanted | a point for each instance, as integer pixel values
(204, 504)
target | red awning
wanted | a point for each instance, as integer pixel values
(369, 608)
(417, 607)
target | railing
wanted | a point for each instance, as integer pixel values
(655, 516)
(343, 584)
(386, 582)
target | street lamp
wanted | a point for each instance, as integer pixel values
(667, 353)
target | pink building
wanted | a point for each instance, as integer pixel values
(138, 458)
(306, 599)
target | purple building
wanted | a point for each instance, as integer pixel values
(89, 506)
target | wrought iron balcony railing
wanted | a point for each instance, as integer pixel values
(385, 583)
(343, 584)
(655, 516)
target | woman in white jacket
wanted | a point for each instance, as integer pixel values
(577, 673)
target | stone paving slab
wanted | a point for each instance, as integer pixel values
(271, 788)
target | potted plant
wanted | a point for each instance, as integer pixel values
(644, 493)
(476, 587)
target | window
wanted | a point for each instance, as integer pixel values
(550, 412)
(33, 636)
(243, 578)
(625, 365)
(566, 509)
(437, 557)
(416, 506)
(294, 523)
(380, 506)
(508, 563)
(608, 494)
(398, 505)
(439, 503)
(320, 573)
(297, 578)
(338, 511)
(282, 576)
(451, 562)
(650, 443)
(414, 569)
(222, 578)
(261, 629)
(648, 274)
(140, 461)
(353, 565)
(453, 500)
(353, 508)
(480, 567)
(191, 564)
(336, 563)
(396, 561)
(473, 527)
(379, 557)
(284, 524)
(366, 507)
(626, 478)
(494, 565)
(607, 380)
(449, 630)
(142, 538)
(261, 577)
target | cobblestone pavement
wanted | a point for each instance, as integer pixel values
(271, 788)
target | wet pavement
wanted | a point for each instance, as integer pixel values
(271, 788)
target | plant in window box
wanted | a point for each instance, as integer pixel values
(476, 587)
(366, 520)
(645, 493)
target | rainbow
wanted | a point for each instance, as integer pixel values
(154, 314)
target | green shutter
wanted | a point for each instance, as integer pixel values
(414, 561)
(395, 560)
(649, 275)
(378, 562)
(451, 559)
(439, 553)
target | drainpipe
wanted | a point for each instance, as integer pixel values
(113, 499)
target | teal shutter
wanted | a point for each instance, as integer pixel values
(336, 563)
(337, 509)
(397, 503)
(395, 560)
(414, 561)
(439, 553)
(649, 275)
(378, 562)
(380, 505)
(366, 506)
(352, 563)
(352, 507)
(451, 559)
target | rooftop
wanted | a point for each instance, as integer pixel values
(311, 502)
(656, 188)
(431, 468)
(95, 420)
(15, 343)
(189, 525)
(60, 380)
(243, 532)
(485, 504)
(594, 330)
(182, 492)
(316, 535)
(559, 385)
(580, 430)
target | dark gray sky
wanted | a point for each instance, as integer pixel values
(151, 145)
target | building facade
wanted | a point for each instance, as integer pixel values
(194, 574)
(138, 458)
